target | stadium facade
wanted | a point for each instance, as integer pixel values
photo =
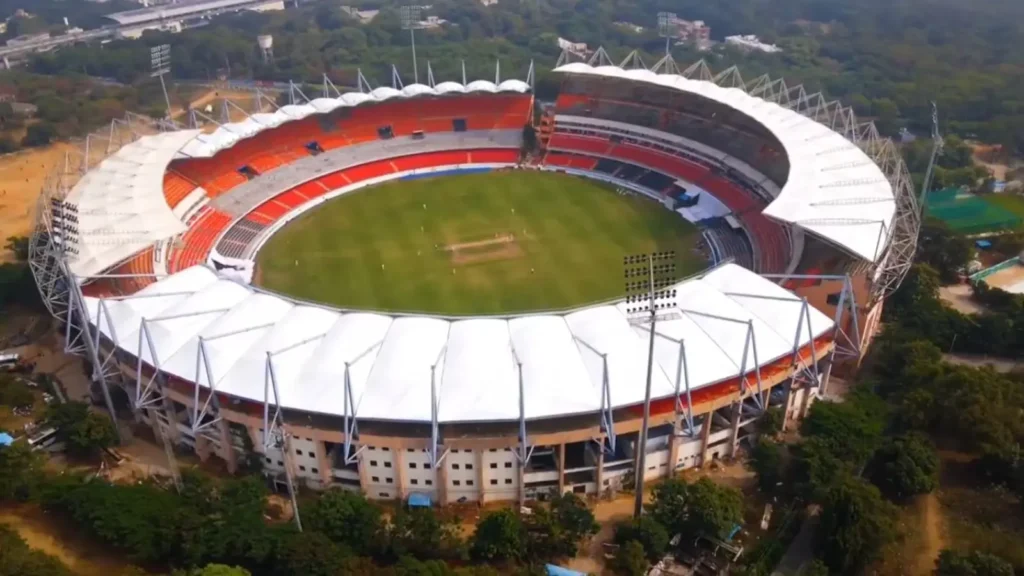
(145, 251)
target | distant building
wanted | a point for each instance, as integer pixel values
(694, 32)
(631, 27)
(577, 48)
(24, 108)
(364, 16)
(750, 43)
(432, 22)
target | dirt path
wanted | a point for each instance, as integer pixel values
(934, 533)
(43, 533)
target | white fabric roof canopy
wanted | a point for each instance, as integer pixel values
(475, 362)
(121, 205)
(833, 190)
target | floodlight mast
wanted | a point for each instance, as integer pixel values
(645, 301)
(411, 16)
(666, 23)
(160, 60)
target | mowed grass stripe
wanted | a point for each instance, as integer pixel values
(576, 233)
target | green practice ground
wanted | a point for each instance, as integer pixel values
(493, 243)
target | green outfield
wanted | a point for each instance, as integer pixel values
(472, 244)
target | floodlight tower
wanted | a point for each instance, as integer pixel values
(160, 60)
(650, 296)
(411, 17)
(266, 44)
(667, 28)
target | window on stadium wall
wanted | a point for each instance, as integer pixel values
(688, 115)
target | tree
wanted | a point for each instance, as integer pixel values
(311, 554)
(216, 570)
(18, 246)
(562, 526)
(975, 563)
(421, 533)
(84, 432)
(20, 469)
(38, 134)
(630, 559)
(851, 430)
(499, 537)
(814, 568)
(771, 421)
(766, 459)
(347, 518)
(905, 467)
(669, 499)
(855, 523)
(945, 250)
(712, 510)
(648, 532)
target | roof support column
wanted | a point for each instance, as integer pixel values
(734, 435)
(525, 451)
(705, 433)
(607, 419)
(561, 466)
(276, 436)
(683, 373)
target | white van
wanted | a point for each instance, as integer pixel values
(45, 439)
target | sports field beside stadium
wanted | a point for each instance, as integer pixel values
(493, 243)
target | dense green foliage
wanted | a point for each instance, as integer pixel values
(222, 522)
(954, 563)
(504, 537)
(999, 331)
(887, 60)
(568, 232)
(767, 460)
(630, 559)
(20, 470)
(855, 523)
(648, 532)
(17, 287)
(17, 559)
(905, 466)
(84, 432)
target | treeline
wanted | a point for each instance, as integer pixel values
(67, 106)
(887, 60)
(862, 458)
(226, 522)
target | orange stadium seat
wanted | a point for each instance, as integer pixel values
(176, 188)
(367, 171)
(199, 239)
(496, 156)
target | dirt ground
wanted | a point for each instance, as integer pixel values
(991, 157)
(74, 550)
(21, 178)
(1007, 279)
(958, 296)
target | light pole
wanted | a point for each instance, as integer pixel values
(667, 28)
(411, 17)
(160, 60)
(650, 296)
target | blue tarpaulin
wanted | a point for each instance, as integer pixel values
(6, 439)
(419, 500)
(983, 244)
(559, 571)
